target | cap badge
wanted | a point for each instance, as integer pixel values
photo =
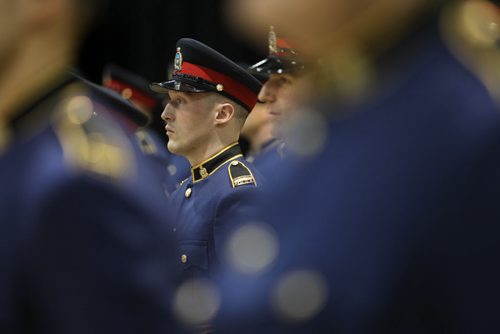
(273, 48)
(178, 60)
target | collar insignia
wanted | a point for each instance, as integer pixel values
(206, 168)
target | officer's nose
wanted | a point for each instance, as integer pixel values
(167, 114)
(267, 93)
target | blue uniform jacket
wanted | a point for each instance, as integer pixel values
(204, 204)
(394, 227)
(85, 241)
(270, 158)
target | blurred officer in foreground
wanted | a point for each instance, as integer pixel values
(282, 93)
(84, 243)
(210, 98)
(391, 223)
(171, 168)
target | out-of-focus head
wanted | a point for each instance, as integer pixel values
(339, 40)
(318, 25)
(23, 21)
(285, 71)
(472, 33)
(10, 27)
(283, 96)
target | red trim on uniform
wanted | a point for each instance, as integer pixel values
(120, 86)
(231, 86)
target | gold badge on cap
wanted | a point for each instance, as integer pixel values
(178, 60)
(273, 47)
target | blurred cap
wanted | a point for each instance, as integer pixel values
(130, 86)
(123, 110)
(199, 68)
(282, 58)
(262, 77)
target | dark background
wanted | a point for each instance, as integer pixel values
(141, 36)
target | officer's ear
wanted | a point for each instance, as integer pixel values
(224, 112)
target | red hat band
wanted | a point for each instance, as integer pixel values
(119, 86)
(228, 84)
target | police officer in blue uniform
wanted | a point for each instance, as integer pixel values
(282, 67)
(256, 132)
(393, 227)
(210, 98)
(171, 168)
(85, 245)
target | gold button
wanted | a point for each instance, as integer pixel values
(234, 163)
(188, 192)
(184, 258)
(220, 87)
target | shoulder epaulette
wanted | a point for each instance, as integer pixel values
(91, 142)
(240, 174)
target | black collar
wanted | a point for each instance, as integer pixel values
(207, 167)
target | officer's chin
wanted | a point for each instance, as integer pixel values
(172, 146)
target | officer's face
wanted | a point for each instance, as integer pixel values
(188, 122)
(281, 96)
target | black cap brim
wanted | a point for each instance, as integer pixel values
(179, 85)
(275, 65)
(116, 102)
